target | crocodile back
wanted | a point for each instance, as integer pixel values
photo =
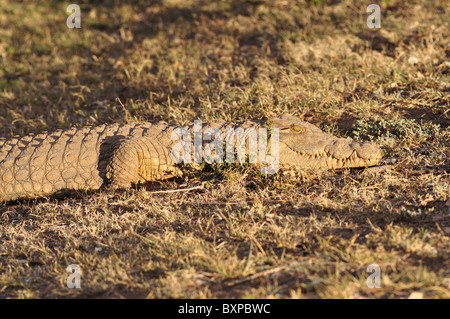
(74, 159)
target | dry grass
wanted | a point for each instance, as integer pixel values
(300, 235)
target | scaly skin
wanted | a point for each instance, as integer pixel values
(122, 155)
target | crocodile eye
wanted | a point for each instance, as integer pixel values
(298, 128)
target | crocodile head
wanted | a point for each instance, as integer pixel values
(304, 145)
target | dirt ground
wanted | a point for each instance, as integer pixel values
(310, 234)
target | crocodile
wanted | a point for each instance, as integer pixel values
(123, 155)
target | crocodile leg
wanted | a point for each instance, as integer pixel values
(139, 160)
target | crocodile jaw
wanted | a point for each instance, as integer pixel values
(290, 157)
(304, 145)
